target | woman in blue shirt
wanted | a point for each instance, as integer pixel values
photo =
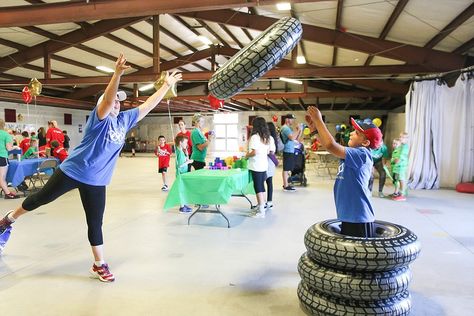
(90, 165)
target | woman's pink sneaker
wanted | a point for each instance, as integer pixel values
(102, 273)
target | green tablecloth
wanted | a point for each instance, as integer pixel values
(209, 187)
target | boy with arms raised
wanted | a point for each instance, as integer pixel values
(351, 192)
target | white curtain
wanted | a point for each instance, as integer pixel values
(440, 122)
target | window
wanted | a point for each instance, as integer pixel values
(226, 141)
(67, 119)
(10, 115)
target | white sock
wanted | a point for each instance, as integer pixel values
(99, 263)
(269, 203)
(261, 208)
(10, 217)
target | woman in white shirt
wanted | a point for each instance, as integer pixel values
(260, 145)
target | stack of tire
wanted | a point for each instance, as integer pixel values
(343, 275)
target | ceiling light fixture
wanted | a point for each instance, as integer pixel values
(283, 6)
(300, 60)
(146, 87)
(105, 69)
(291, 80)
(205, 40)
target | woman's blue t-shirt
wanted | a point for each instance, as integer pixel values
(351, 189)
(93, 161)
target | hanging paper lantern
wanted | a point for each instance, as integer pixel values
(26, 94)
(306, 131)
(377, 122)
(215, 103)
(35, 87)
(275, 118)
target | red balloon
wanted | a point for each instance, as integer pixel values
(215, 103)
(275, 118)
(26, 94)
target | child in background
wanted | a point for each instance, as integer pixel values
(399, 164)
(163, 152)
(351, 189)
(33, 151)
(260, 145)
(379, 156)
(25, 143)
(58, 151)
(182, 163)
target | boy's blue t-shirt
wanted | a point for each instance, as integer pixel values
(289, 144)
(93, 161)
(351, 189)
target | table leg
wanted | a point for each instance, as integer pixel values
(201, 210)
(245, 196)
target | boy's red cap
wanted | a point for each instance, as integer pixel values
(371, 131)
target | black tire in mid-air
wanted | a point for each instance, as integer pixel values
(393, 247)
(255, 59)
(319, 304)
(353, 285)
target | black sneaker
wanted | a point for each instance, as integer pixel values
(289, 189)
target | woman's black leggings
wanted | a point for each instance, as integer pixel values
(93, 201)
(379, 167)
(269, 182)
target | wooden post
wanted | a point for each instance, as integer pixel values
(156, 44)
(47, 64)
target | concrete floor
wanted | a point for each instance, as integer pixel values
(165, 267)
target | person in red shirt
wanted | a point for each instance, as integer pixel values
(54, 133)
(163, 152)
(184, 132)
(58, 151)
(25, 143)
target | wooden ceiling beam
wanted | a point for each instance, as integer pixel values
(204, 25)
(105, 55)
(231, 35)
(302, 104)
(464, 48)
(64, 41)
(78, 11)
(165, 48)
(453, 25)
(388, 26)
(338, 28)
(286, 104)
(329, 72)
(127, 44)
(433, 59)
(164, 66)
(45, 100)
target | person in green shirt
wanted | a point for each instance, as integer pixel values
(33, 151)
(200, 142)
(399, 163)
(6, 144)
(182, 162)
(379, 156)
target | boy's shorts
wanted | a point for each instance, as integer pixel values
(163, 170)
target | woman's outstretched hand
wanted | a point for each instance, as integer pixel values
(173, 78)
(120, 64)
